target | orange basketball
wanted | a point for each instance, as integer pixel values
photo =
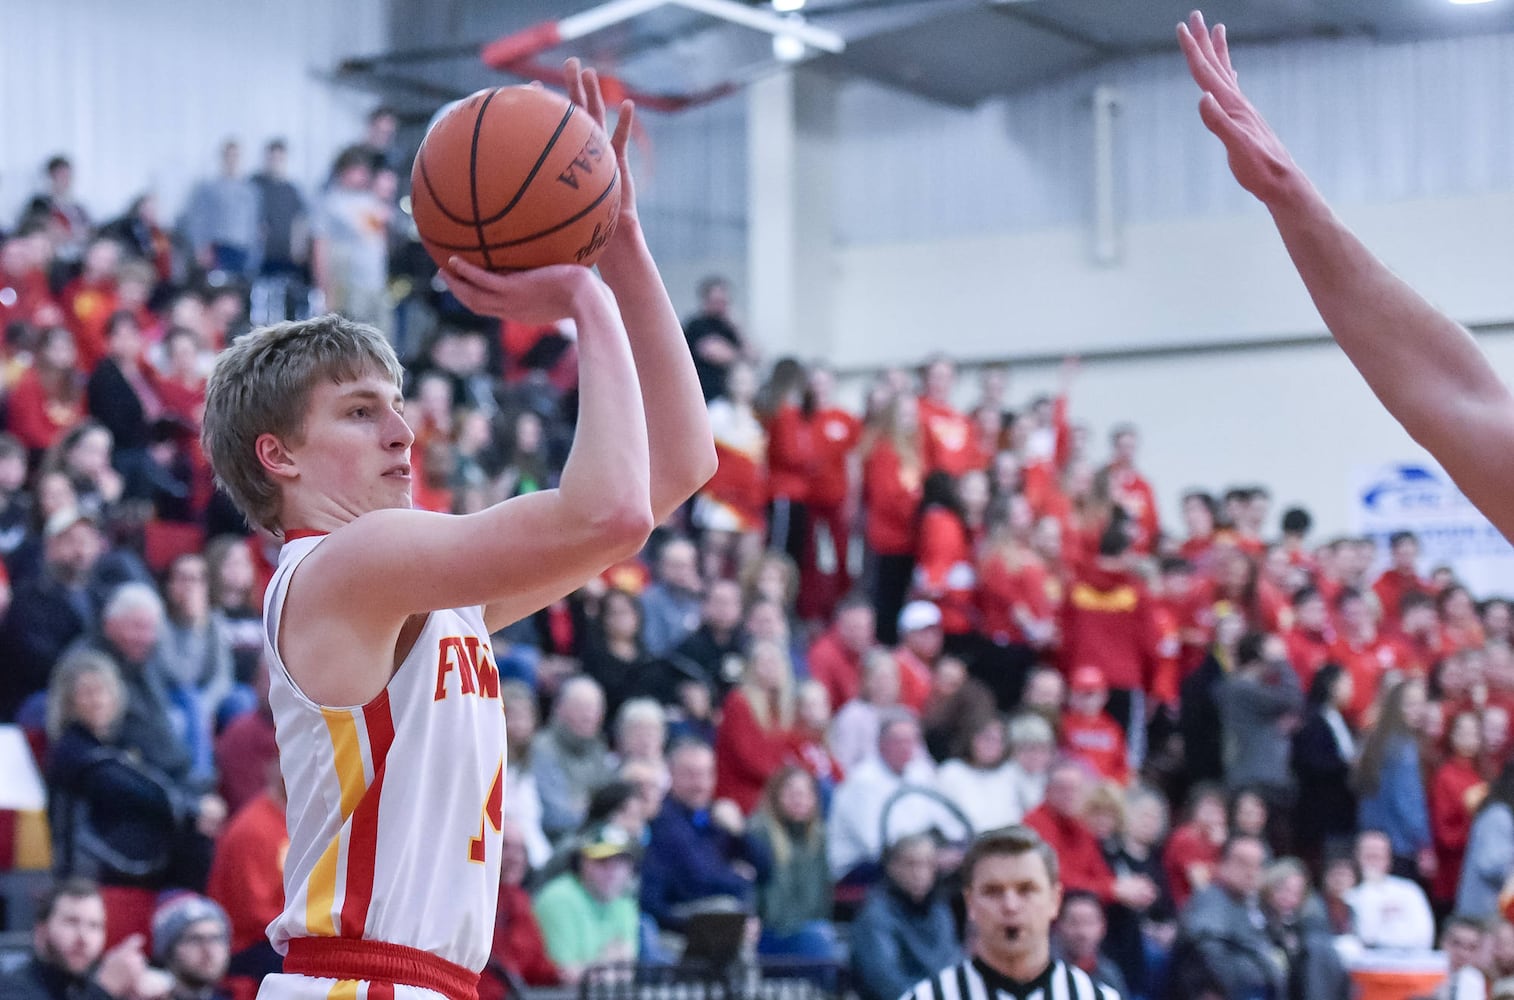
(515, 177)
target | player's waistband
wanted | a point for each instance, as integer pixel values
(380, 962)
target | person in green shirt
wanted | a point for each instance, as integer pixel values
(589, 915)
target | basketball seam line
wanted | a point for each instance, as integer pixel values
(535, 169)
(478, 127)
(453, 217)
(545, 232)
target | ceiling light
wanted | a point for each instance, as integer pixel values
(790, 6)
(1468, 3)
(787, 48)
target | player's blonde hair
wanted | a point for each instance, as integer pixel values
(262, 384)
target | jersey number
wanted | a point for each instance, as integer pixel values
(493, 817)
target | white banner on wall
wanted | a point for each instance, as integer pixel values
(1420, 497)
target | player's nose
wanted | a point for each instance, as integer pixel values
(399, 432)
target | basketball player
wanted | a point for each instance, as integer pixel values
(1426, 368)
(383, 685)
(1013, 891)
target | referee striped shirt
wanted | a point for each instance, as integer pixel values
(973, 980)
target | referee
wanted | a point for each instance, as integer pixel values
(1013, 893)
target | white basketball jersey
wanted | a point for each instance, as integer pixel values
(394, 806)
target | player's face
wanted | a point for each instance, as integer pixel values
(355, 454)
(1011, 902)
(74, 936)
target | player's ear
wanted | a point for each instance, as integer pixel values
(274, 457)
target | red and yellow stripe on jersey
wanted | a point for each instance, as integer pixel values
(394, 806)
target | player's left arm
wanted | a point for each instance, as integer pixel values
(1427, 369)
(678, 427)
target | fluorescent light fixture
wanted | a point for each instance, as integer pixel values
(1468, 3)
(788, 6)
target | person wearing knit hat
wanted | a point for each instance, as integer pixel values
(191, 940)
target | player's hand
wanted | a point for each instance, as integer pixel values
(584, 90)
(539, 296)
(121, 967)
(1258, 158)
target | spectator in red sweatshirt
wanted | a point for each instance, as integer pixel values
(1200, 518)
(89, 300)
(835, 658)
(1363, 651)
(1193, 850)
(892, 478)
(1421, 645)
(834, 435)
(1456, 792)
(1130, 490)
(921, 640)
(945, 573)
(791, 459)
(1059, 821)
(1310, 639)
(1088, 732)
(1107, 619)
(949, 436)
(755, 734)
(1400, 578)
(247, 877)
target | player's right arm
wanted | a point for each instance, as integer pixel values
(358, 588)
(1424, 367)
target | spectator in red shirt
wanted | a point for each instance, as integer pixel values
(1193, 850)
(755, 733)
(1456, 792)
(944, 563)
(1017, 604)
(22, 275)
(1107, 620)
(247, 877)
(1088, 732)
(1458, 618)
(920, 643)
(1296, 525)
(49, 399)
(949, 438)
(1200, 518)
(812, 722)
(89, 300)
(892, 479)
(1365, 653)
(835, 658)
(1130, 490)
(1400, 578)
(834, 434)
(181, 388)
(1312, 636)
(1187, 600)
(1420, 643)
(1059, 821)
(791, 459)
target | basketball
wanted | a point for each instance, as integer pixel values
(513, 178)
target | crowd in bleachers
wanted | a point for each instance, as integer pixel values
(1262, 759)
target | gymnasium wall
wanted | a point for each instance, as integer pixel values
(140, 95)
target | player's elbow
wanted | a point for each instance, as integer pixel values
(624, 526)
(700, 466)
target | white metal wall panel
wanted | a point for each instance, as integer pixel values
(141, 94)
